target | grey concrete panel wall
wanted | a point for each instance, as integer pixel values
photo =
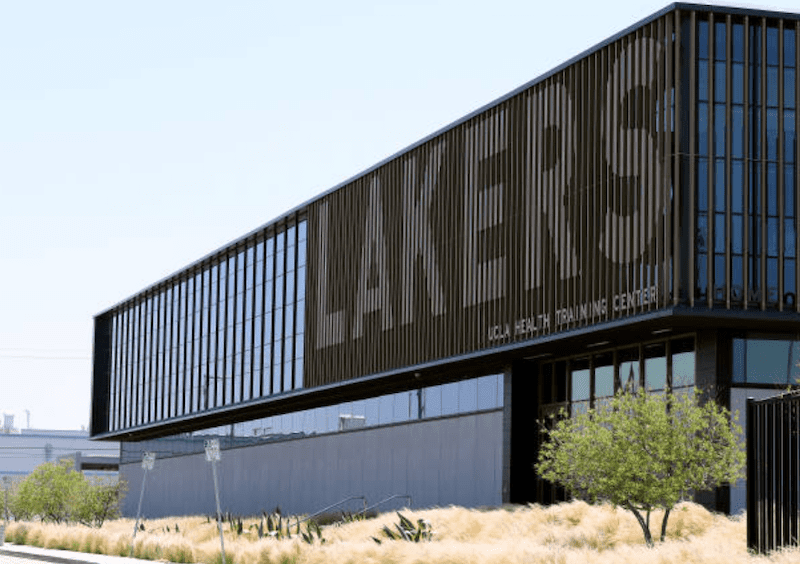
(455, 460)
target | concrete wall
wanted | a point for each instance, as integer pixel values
(456, 460)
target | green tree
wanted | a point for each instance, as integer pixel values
(56, 492)
(49, 491)
(643, 451)
(97, 501)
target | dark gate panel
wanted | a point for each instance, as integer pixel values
(773, 473)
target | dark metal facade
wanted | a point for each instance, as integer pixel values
(651, 174)
(773, 473)
(550, 210)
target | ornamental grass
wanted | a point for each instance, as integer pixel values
(573, 532)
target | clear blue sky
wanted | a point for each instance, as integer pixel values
(137, 136)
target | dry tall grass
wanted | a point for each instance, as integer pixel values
(568, 533)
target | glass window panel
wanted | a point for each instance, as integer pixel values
(755, 132)
(719, 40)
(702, 275)
(789, 88)
(402, 406)
(270, 269)
(279, 292)
(788, 47)
(789, 137)
(772, 135)
(372, 412)
(738, 43)
(702, 39)
(487, 392)
(581, 385)
(467, 395)
(755, 274)
(277, 376)
(277, 330)
(789, 237)
(603, 375)
(720, 128)
(737, 234)
(738, 360)
(719, 185)
(289, 322)
(737, 186)
(702, 81)
(702, 128)
(789, 190)
(702, 233)
(655, 367)
(289, 287)
(772, 189)
(789, 282)
(772, 46)
(301, 254)
(769, 361)
(579, 407)
(386, 409)
(719, 233)
(702, 185)
(772, 87)
(301, 283)
(720, 278)
(433, 401)
(298, 373)
(288, 378)
(772, 236)
(629, 375)
(755, 43)
(683, 369)
(500, 390)
(737, 132)
(450, 398)
(737, 278)
(772, 280)
(737, 83)
(719, 82)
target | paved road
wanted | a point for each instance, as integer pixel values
(13, 554)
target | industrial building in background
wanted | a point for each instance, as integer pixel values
(627, 219)
(22, 450)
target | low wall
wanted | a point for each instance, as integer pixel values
(456, 460)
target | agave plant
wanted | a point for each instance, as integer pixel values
(407, 531)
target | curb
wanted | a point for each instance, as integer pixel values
(42, 557)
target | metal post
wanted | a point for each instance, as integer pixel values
(212, 455)
(148, 459)
(6, 483)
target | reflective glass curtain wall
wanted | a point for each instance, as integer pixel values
(224, 331)
(746, 153)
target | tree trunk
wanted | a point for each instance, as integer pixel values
(648, 538)
(664, 524)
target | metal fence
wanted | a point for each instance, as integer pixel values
(773, 472)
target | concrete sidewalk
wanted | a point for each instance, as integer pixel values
(13, 552)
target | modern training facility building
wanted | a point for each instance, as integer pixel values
(628, 218)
